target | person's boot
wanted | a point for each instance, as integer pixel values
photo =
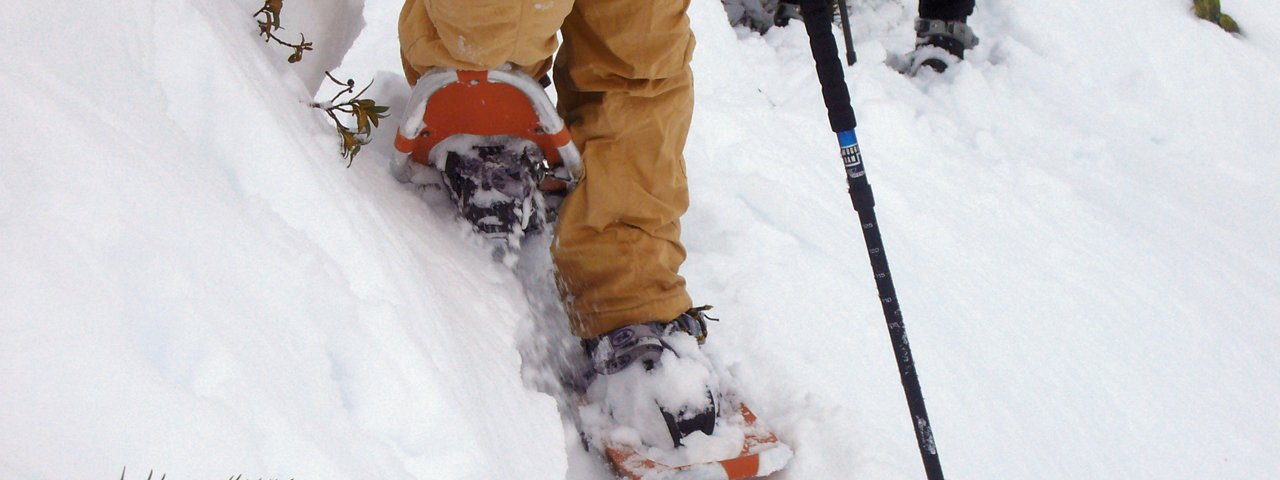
(787, 11)
(940, 44)
(654, 379)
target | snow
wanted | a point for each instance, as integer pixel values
(619, 407)
(1079, 217)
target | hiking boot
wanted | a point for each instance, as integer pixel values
(787, 11)
(940, 44)
(656, 364)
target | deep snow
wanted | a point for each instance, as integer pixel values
(1080, 221)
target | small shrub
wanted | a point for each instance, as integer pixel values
(366, 111)
(1211, 10)
(268, 26)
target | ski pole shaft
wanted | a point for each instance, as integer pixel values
(835, 94)
(849, 55)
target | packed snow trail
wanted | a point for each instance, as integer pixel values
(1079, 217)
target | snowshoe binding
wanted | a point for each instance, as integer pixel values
(493, 140)
(654, 406)
(939, 45)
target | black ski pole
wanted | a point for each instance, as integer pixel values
(849, 55)
(835, 93)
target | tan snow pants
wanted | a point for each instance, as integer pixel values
(626, 91)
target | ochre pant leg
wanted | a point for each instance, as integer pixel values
(626, 90)
(479, 34)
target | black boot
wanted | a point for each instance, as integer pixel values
(940, 44)
(787, 10)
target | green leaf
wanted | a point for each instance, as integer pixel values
(1207, 9)
(273, 11)
(348, 138)
(1229, 24)
(362, 121)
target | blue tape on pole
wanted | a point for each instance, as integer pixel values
(851, 154)
(847, 138)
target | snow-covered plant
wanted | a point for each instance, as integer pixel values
(366, 112)
(271, 22)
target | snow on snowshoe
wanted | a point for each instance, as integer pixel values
(493, 140)
(654, 406)
(761, 454)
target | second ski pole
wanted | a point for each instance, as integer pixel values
(835, 94)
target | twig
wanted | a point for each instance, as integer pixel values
(367, 113)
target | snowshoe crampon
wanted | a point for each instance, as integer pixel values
(494, 141)
(762, 454)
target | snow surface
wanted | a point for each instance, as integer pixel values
(1080, 220)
